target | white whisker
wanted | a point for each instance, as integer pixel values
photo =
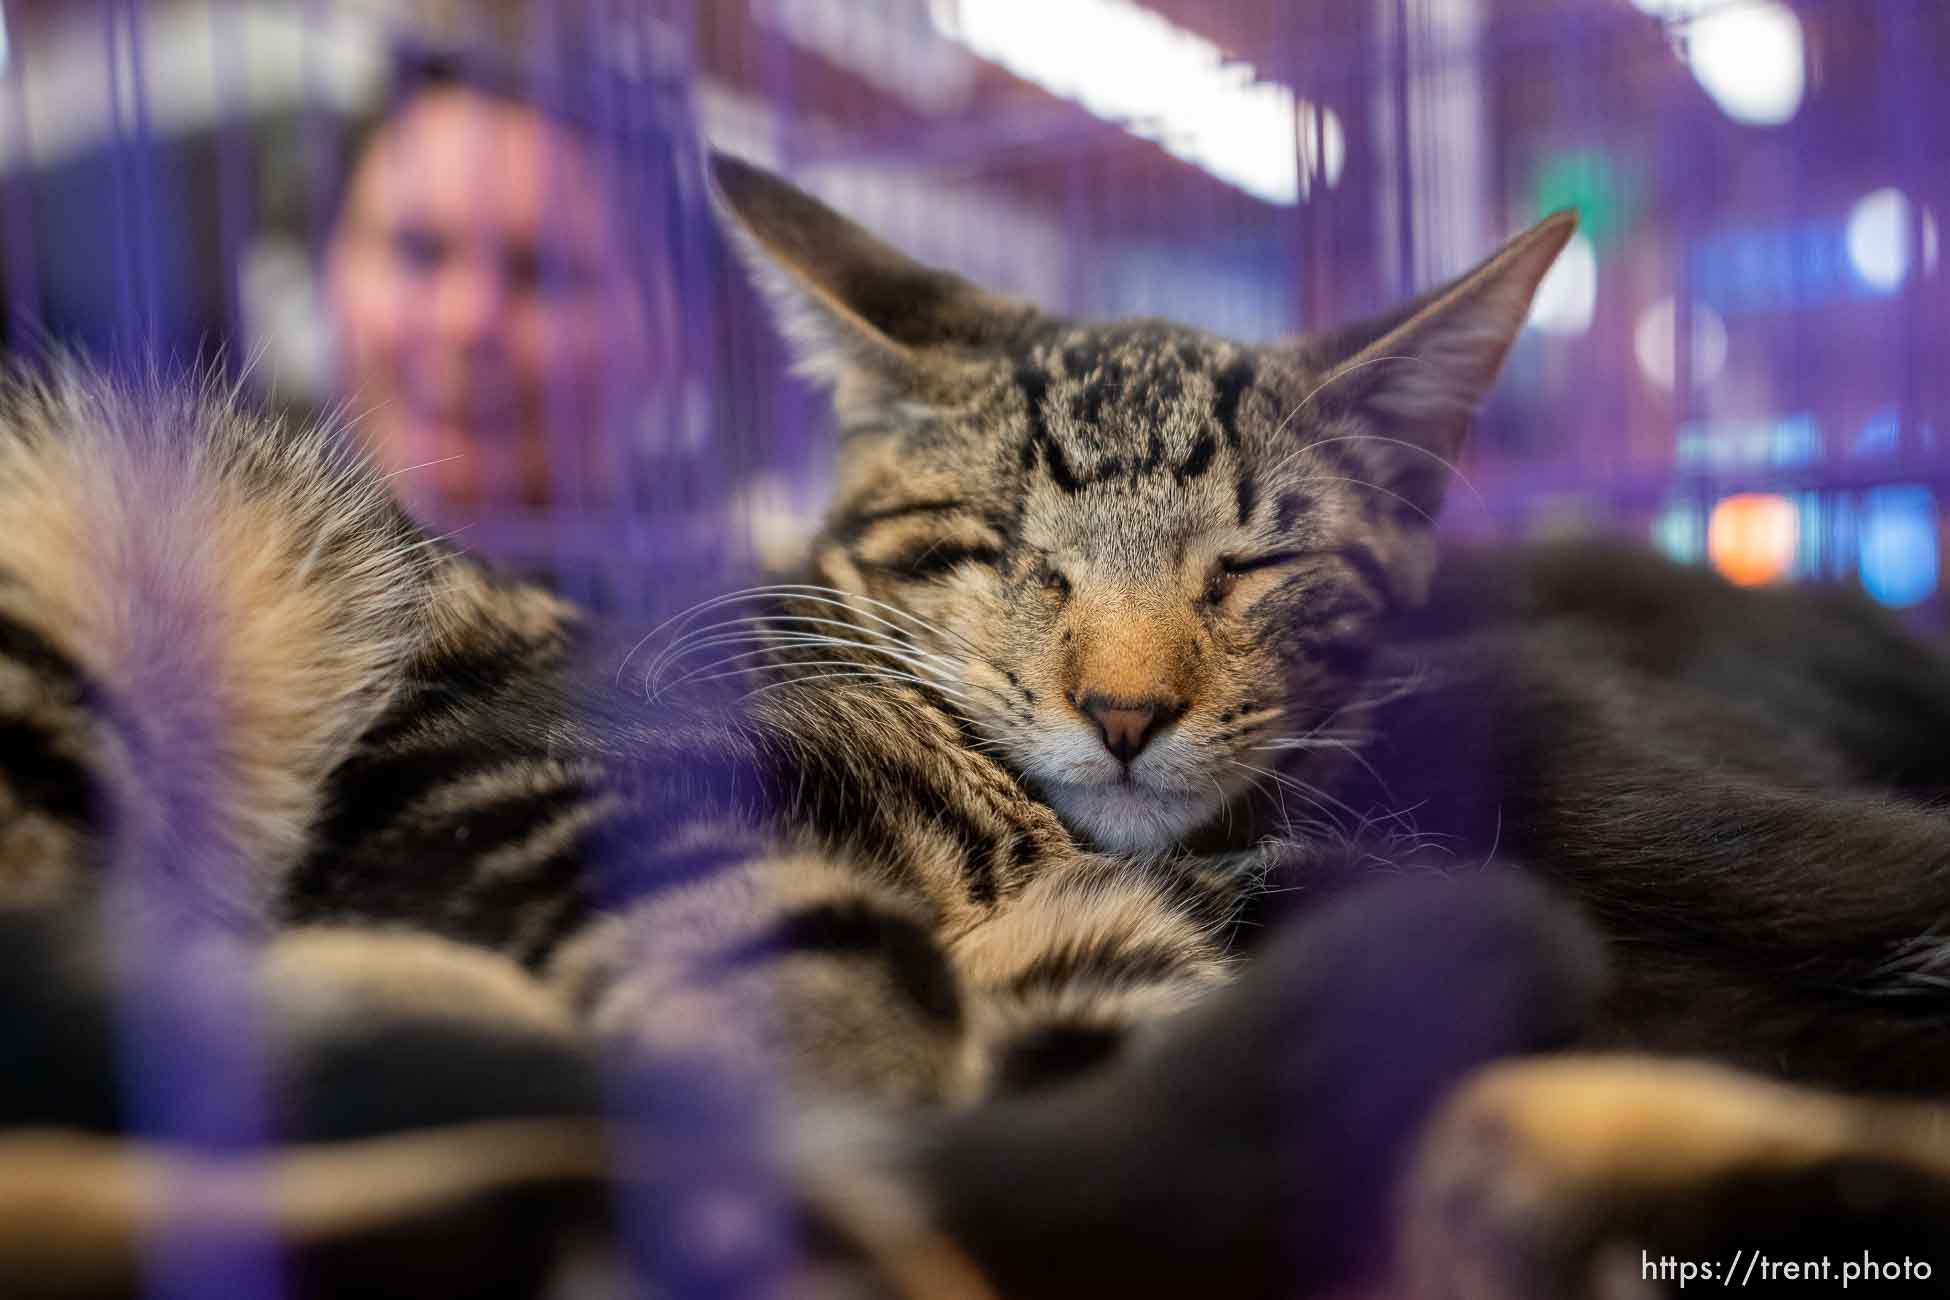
(820, 677)
(1450, 465)
(704, 674)
(1308, 743)
(762, 626)
(814, 590)
(1336, 377)
(809, 592)
(1304, 789)
(1361, 482)
(426, 464)
(780, 641)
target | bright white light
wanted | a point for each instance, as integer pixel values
(1569, 292)
(1654, 345)
(1879, 235)
(1323, 158)
(886, 43)
(1667, 10)
(1130, 65)
(1749, 58)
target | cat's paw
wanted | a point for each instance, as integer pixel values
(1615, 1178)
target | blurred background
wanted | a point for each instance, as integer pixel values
(479, 231)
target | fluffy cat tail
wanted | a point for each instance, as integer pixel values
(199, 608)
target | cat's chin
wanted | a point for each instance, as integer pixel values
(1125, 817)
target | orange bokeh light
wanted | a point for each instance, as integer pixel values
(1750, 538)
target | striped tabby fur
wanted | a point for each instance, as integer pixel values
(871, 825)
(966, 810)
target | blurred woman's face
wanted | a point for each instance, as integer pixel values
(487, 312)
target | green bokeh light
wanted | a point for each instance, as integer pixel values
(1586, 180)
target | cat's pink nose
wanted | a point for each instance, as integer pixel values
(1127, 726)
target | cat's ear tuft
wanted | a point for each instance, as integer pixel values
(861, 314)
(1420, 372)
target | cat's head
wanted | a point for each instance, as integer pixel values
(1139, 556)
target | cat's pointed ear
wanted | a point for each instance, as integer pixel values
(861, 314)
(1419, 373)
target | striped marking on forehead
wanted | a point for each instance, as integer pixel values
(1142, 374)
(1086, 404)
(1246, 492)
(1231, 385)
(1294, 481)
(1149, 372)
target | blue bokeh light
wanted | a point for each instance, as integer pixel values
(1898, 544)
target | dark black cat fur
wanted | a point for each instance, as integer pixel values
(1742, 787)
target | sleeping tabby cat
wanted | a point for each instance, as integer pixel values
(976, 811)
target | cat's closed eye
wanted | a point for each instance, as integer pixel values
(1228, 569)
(1238, 565)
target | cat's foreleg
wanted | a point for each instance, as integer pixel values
(777, 963)
(1087, 955)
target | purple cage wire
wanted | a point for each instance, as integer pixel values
(1756, 177)
(1738, 360)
